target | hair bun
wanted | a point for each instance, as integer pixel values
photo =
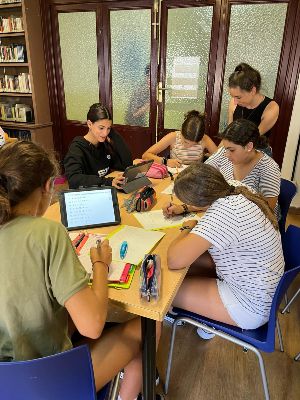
(192, 113)
(242, 67)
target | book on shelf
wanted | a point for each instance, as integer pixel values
(13, 53)
(19, 134)
(16, 112)
(11, 24)
(15, 83)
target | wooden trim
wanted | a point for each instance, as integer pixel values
(10, 5)
(23, 125)
(15, 94)
(12, 34)
(14, 64)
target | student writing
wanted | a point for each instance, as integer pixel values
(240, 233)
(44, 288)
(186, 146)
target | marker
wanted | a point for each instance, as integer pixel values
(123, 249)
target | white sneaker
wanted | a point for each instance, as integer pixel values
(205, 334)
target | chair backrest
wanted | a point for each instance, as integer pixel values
(287, 191)
(67, 375)
(290, 244)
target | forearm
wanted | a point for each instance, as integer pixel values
(99, 285)
(175, 253)
(151, 156)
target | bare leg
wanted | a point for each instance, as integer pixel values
(201, 296)
(117, 348)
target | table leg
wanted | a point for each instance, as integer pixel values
(149, 353)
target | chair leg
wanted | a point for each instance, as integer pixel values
(279, 335)
(262, 371)
(297, 357)
(286, 299)
(168, 371)
(114, 387)
(290, 302)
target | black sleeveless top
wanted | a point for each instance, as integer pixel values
(253, 114)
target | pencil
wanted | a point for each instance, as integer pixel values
(176, 170)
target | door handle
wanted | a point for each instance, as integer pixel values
(160, 90)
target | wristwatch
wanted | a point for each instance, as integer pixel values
(164, 160)
(185, 208)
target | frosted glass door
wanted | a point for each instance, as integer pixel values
(130, 58)
(187, 54)
(78, 45)
(255, 37)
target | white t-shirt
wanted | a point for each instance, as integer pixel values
(246, 249)
(264, 177)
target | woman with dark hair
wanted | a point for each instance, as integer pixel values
(45, 292)
(240, 232)
(240, 160)
(92, 156)
(248, 103)
(186, 146)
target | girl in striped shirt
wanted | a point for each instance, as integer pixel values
(186, 146)
(240, 233)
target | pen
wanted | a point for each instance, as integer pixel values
(123, 249)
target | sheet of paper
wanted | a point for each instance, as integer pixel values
(156, 219)
(178, 169)
(139, 242)
(168, 189)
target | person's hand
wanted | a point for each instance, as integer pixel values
(173, 163)
(170, 209)
(118, 181)
(102, 252)
(191, 223)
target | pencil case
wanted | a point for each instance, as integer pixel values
(141, 200)
(157, 171)
(150, 277)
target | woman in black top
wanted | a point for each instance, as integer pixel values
(248, 103)
(92, 156)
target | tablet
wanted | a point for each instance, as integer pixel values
(135, 176)
(89, 207)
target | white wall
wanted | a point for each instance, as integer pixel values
(291, 148)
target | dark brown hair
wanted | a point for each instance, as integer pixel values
(245, 77)
(193, 127)
(243, 131)
(201, 184)
(97, 112)
(24, 166)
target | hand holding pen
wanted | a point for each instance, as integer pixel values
(102, 252)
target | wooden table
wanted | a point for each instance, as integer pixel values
(129, 299)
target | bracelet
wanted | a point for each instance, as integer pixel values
(185, 208)
(185, 227)
(100, 261)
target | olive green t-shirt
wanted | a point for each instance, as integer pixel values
(39, 272)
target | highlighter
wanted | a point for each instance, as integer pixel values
(123, 249)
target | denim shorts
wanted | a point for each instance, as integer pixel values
(242, 317)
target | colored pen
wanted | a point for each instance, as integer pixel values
(79, 240)
(123, 249)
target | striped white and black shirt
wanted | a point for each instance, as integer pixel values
(246, 249)
(187, 155)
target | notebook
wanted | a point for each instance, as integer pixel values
(135, 176)
(89, 208)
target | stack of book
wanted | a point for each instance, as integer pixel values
(12, 53)
(16, 112)
(15, 83)
(11, 24)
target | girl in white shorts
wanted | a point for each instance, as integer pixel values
(239, 231)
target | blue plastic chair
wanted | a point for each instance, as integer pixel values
(262, 338)
(67, 375)
(287, 192)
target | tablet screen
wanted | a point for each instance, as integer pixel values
(88, 208)
(138, 170)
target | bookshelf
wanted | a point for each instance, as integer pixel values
(24, 102)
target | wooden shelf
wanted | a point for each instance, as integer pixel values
(14, 64)
(15, 94)
(24, 125)
(11, 5)
(12, 34)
